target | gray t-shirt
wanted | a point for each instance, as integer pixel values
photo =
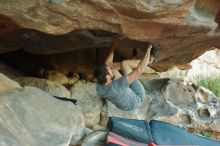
(121, 94)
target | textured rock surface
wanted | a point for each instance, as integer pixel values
(47, 86)
(89, 101)
(181, 29)
(32, 117)
(196, 107)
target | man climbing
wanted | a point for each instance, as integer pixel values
(126, 92)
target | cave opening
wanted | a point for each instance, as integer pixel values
(32, 52)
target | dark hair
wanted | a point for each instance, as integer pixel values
(100, 74)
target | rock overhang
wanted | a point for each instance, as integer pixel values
(181, 30)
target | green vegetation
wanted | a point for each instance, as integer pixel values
(211, 82)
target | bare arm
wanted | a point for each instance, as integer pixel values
(141, 66)
(109, 59)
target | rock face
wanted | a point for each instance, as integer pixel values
(181, 30)
(90, 103)
(192, 106)
(32, 117)
(45, 85)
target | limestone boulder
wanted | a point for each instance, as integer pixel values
(45, 85)
(197, 107)
(179, 94)
(30, 116)
(7, 84)
(89, 101)
(160, 107)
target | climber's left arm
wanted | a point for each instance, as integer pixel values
(114, 43)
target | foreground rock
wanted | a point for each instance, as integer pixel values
(90, 102)
(46, 85)
(32, 117)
